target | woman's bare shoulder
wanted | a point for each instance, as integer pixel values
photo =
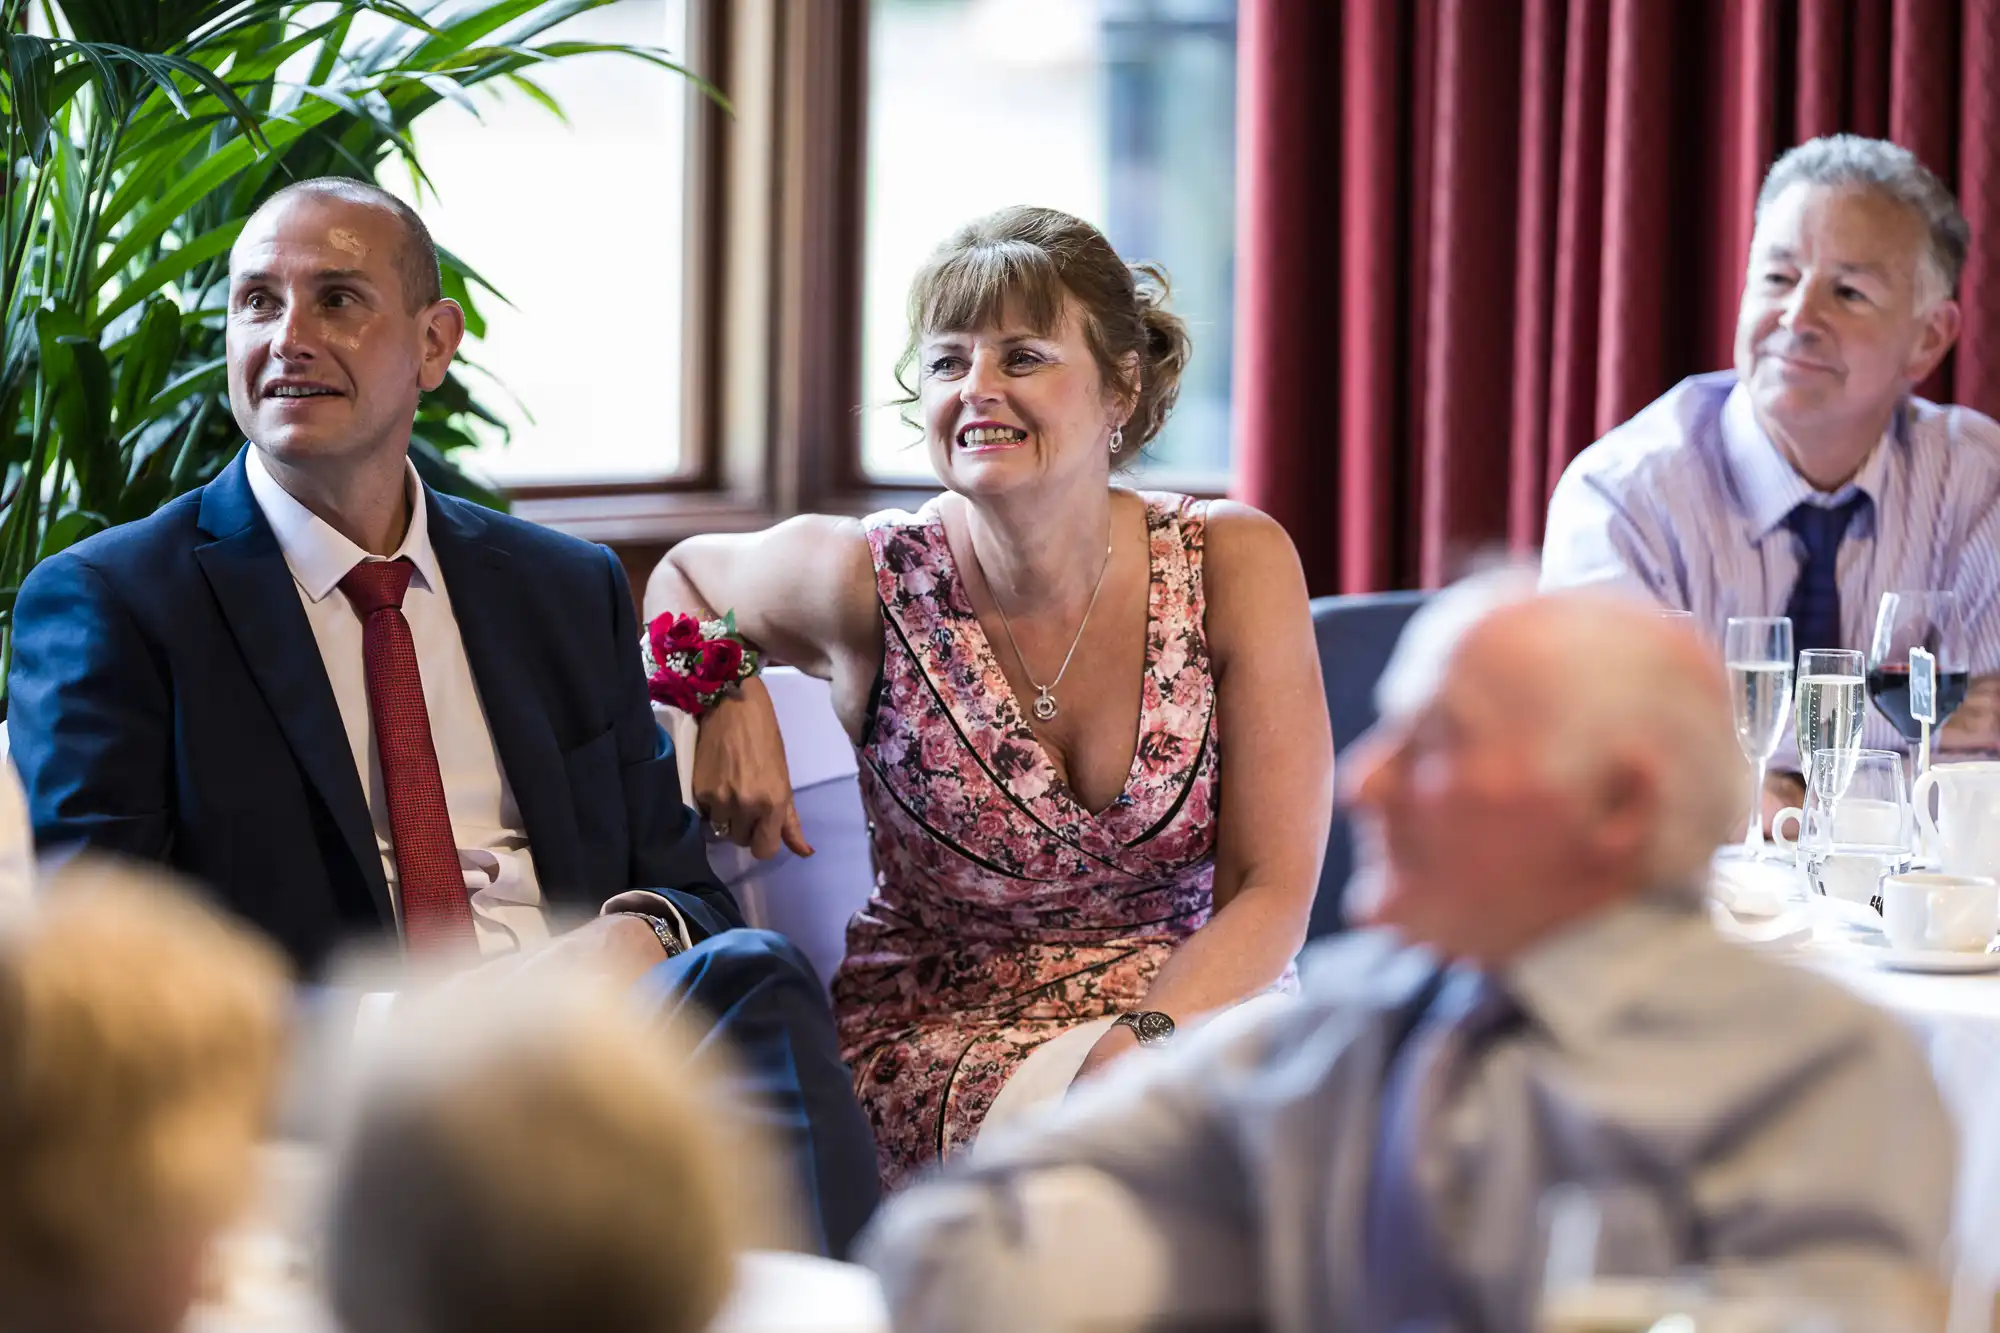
(1245, 542)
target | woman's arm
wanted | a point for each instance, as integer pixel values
(1277, 774)
(804, 592)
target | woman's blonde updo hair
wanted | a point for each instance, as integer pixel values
(1036, 257)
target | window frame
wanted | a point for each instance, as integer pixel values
(773, 320)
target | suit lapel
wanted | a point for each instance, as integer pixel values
(247, 572)
(491, 615)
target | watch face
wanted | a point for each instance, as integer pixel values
(1152, 1026)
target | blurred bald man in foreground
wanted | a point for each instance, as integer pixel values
(1542, 1004)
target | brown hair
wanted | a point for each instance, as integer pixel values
(1037, 257)
(140, 1037)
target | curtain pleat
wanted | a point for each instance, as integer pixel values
(1476, 234)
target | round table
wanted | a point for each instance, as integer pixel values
(1956, 1017)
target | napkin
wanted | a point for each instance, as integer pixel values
(1752, 888)
(1792, 929)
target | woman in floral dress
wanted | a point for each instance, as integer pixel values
(1094, 748)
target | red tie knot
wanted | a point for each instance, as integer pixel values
(377, 585)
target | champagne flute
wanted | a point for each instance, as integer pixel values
(1831, 704)
(1906, 620)
(1758, 651)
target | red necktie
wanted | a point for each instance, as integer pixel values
(436, 914)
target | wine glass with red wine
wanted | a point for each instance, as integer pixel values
(1907, 620)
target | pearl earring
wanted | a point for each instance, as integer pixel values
(1117, 439)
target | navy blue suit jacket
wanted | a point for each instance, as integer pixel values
(167, 701)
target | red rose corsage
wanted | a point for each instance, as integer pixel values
(692, 663)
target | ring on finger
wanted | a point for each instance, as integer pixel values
(720, 827)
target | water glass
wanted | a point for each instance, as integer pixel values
(1857, 824)
(1758, 653)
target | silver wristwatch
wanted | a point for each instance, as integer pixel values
(1150, 1026)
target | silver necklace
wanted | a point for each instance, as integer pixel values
(1045, 699)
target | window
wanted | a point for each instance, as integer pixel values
(1120, 111)
(580, 226)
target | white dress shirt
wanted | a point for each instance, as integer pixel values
(1688, 500)
(486, 823)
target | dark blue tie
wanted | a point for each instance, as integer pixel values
(1411, 1288)
(1815, 603)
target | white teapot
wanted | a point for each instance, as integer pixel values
(1966, 830)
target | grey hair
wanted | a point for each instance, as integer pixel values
(1629, 693)
(1633, 694)
(1417, 665)
(1893, 172)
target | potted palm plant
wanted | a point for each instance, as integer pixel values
(141, 134)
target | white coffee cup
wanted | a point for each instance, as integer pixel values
(1929, 912)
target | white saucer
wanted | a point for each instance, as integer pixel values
(1941, 961)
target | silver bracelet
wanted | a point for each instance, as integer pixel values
(663, 930)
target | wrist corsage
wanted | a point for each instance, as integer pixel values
(690, 663)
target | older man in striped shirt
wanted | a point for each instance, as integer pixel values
(1810, 479)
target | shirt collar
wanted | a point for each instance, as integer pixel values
(1770, 486)
(1582, 978)
(318, 556)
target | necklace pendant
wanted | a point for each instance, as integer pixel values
(1045, 705)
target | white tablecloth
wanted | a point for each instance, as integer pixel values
(1958, 1019)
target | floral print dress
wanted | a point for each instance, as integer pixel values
(1004, 912)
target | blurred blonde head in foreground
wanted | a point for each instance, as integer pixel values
(140, 1039)
(529, 1153)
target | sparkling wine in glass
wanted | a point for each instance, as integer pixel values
(1832, 702)
(1758, 652)
(1927, 620)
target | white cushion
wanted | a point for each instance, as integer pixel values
(807, 900)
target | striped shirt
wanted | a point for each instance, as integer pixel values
(1687, 501)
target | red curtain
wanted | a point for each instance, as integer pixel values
(1477, 234)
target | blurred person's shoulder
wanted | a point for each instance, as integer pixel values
(1363, 969)
(1791, 1013)
(1348, 982)
(1271, 1056)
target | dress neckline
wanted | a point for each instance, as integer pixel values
(1012, 718)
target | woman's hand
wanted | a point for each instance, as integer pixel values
(742, 785)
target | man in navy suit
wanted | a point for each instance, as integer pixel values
(467, 758)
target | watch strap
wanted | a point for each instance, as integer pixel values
(663, 929)
(1150, 1026)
